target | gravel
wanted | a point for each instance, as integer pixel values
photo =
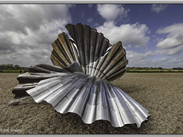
(161, 94)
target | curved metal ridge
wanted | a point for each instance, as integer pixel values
(79, 81)
(91, 98)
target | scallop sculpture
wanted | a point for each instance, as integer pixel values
(79, 81)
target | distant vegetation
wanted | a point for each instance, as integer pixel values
(153, 70)
(178, 68)
(9, 68)
(13, 71)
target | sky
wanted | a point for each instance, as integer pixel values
(152, 34)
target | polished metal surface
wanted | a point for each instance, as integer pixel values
(79, 80)
(90, 97)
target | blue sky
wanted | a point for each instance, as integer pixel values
(151, 34)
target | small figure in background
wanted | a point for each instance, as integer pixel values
(20, 71)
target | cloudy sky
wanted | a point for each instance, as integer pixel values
(151, 34)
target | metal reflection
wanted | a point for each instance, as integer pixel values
(79, 80)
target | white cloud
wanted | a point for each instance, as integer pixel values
(164, 62)
(137, 59)
(18, 17)
(174, 51)
(90, 5)
(173, 40)
(111, 11)
(90, 20)
(135, 56)
(27, 39)
(141, 60)
(157, 8)
(177, 62)
(170, 52)
(169, 43)
(129, 46)
(134, 34)
(82, 14)
(96, 24)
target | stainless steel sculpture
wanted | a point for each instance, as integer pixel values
(79, 81)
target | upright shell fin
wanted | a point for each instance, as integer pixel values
(95, 55)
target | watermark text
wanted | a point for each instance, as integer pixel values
(9, 130)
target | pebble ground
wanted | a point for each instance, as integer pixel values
(161, 94)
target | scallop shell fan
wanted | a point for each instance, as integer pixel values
(79, 81)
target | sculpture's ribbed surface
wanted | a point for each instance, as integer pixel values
(79, 81)
(90, 97)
